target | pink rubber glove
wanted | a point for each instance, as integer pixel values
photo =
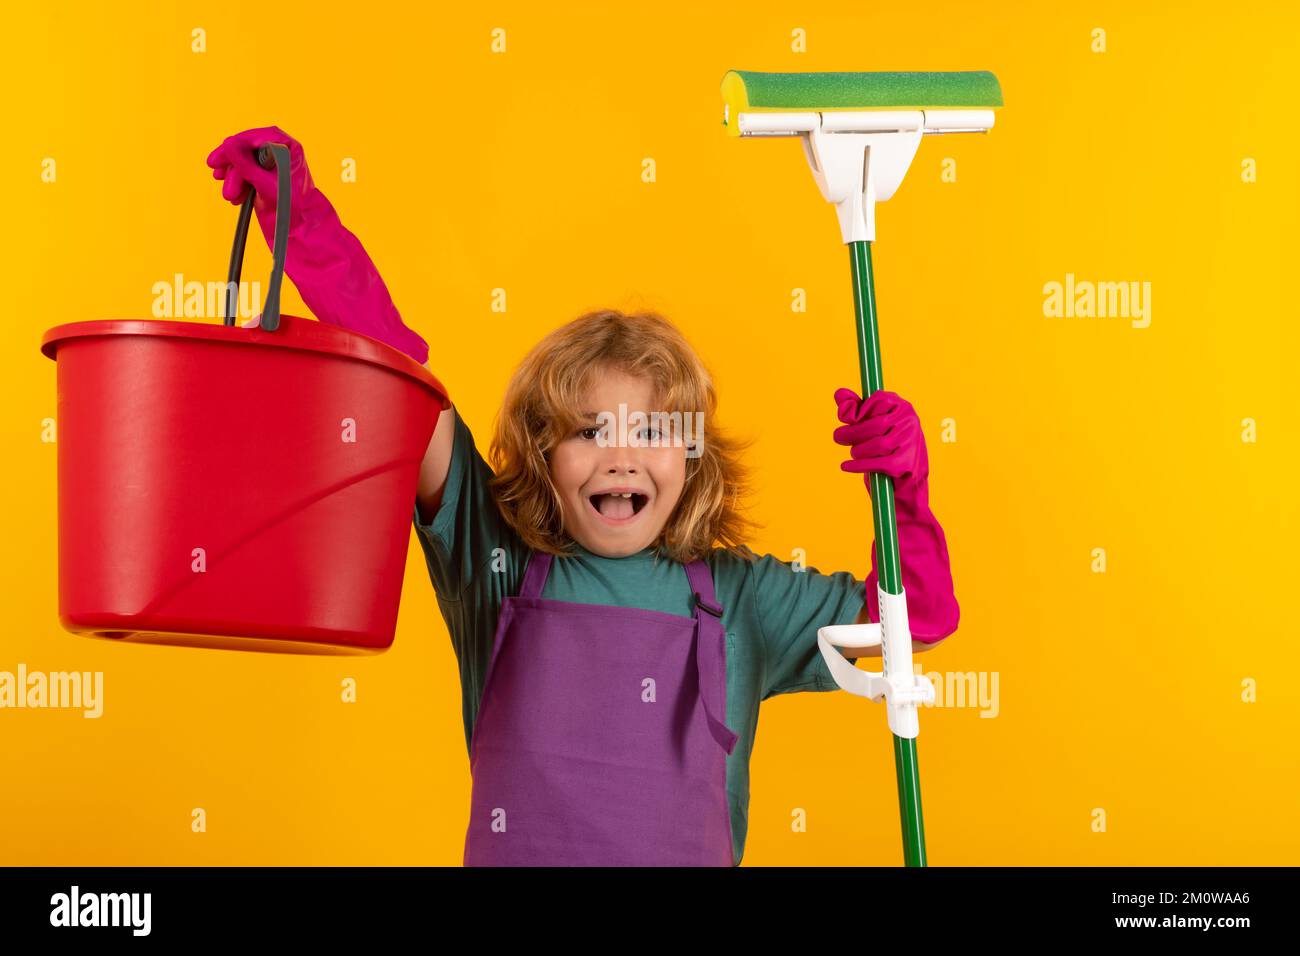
(327, 264)
(884, 435)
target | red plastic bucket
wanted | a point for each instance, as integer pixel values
(230, 487)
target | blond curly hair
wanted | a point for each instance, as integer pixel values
(542, 407)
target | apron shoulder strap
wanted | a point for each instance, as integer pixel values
(701, 581)
(711, 653)
(539, 567)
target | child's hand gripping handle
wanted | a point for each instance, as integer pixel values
(269, 156)
(326, 262)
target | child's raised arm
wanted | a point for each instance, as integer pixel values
(433, 469)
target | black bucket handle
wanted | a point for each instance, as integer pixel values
(270, 155)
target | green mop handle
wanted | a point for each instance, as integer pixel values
(886, 526)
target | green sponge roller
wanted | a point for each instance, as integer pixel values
(746, 91)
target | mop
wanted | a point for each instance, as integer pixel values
(859, 133)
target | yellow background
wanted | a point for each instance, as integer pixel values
(1120, 691)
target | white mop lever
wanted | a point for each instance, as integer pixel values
(902, 689)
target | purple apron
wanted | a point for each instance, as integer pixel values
(598, 741)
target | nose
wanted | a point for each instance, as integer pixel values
(622, 464)
(622, 459)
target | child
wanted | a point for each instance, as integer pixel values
(614, 635)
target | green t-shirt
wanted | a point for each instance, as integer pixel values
(771, 612)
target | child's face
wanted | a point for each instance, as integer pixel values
(585, 468)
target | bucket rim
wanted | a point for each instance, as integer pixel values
(294, 333)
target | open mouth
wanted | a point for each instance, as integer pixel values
(618, 507)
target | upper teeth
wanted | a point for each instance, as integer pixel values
(621, 494)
